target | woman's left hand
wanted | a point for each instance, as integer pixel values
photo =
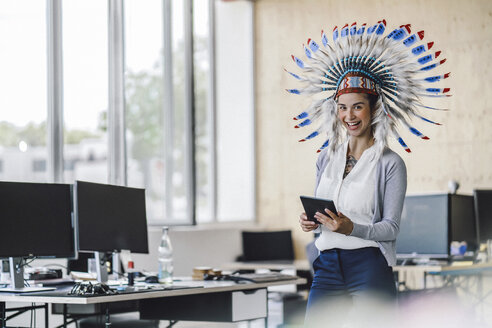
(335, 222)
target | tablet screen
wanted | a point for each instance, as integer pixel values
(313, 205)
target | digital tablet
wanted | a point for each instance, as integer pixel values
(313, 205)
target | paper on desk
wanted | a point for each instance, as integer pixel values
(78, 275)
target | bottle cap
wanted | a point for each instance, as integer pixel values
(130, 265)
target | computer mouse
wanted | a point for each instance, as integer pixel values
(152, 279)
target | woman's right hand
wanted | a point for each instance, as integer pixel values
(307, 225)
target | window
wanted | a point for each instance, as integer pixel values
(39, 165)
(23, 83)
(204, 114)
(144, 91)
(85, 90)
(188, 100)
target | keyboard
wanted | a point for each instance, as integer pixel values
(262, 277)
(146, 289)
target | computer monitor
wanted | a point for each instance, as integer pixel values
(430, 223)
(267, 246)
(110, 218)
(464, 226)
(35, 221)
(483, 212)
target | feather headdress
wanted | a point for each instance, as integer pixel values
(361, 60)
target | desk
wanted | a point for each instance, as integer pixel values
(211, 289)
(300, 268)
(413, 277)
(470, 284)
(469, 280)
(298, 265)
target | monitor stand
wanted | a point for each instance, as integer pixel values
(101, 267)
(116, 266)
(17, 278)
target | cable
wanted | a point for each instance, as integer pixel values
(105, 258)
(21, 265)
(119, 273)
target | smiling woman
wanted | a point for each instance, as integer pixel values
(374, 87)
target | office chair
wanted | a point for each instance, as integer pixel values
(267, 246)
(120, 320)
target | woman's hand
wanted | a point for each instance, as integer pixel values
(336, 223)
(307, 225)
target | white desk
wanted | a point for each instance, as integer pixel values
(239, 295)
(300, 265)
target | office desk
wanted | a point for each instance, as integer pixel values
(470, 285)
(300, 268)
(235, 296)
(298, 265)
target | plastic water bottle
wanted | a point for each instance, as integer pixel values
(165, 258)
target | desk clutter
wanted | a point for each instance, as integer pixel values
(207, 273)
(89, 289)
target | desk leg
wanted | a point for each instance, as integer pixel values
(481, 298)
(108, 321)
(46, 313)
(64, 316)
(3, 315)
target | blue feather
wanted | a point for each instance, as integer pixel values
(294, 75)
(294, 91)
(307, 52)
(324, 39)
(312, 135)
(301, 116)
(299, 62)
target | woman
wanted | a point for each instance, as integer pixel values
(376, 85)
(356, 244)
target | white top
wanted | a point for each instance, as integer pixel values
(353, 196)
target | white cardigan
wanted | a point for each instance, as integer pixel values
(389, 194)
(353, 196)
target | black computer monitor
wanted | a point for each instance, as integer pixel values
(110, 218)
(267, 246)
(483, 212)
(430, 223)
(463, 222)
(36, 220)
